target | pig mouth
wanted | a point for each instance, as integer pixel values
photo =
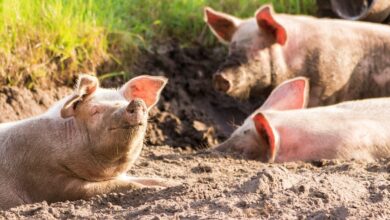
(126, 127)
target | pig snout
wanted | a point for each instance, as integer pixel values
(136, 112)
(221, 82)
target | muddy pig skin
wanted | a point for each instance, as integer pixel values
(344, 60)
(80, 147)
(282, 129)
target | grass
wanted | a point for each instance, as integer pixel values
(48, 39)
(53, 40)
(183, 19)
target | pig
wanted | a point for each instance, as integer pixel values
(81, 147)
(344, 60)
(283, 129)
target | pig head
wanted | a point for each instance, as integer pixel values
(113, 122)
(82, 146)
(344, 60)
(282, 129)
(261, 142)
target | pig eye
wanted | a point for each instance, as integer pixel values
(246, 131)
(76, 104)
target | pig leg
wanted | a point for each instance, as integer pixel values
(10, 201)
(122, 183)
(9, 198)
(149, 182)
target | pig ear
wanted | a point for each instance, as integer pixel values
(266, 21)
(222, 25)
(291, 94)
(147, 88)
(86, 85)
(269, 135)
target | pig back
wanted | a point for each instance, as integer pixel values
(356, 129)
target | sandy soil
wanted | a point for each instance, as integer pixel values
(189, 118)
(225, 187)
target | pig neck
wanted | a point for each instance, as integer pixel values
(102, 162)
(288, 61)
(308, 134)
(315, 45)
(283, 65)
(293, 138)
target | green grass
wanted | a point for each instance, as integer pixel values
(44, 40)
(48, 39)
(183, 19)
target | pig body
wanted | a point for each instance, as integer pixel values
(348, 130)
(344, 60)
(281, 131)
(81, 147)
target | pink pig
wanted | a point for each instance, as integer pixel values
(344, 60)
(81, 147)
(283, 130)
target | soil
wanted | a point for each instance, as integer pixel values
(18, 103)
(191, 113)
(190, 117)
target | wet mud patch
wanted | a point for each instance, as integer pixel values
(190, 113)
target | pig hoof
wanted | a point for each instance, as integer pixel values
(155, 182)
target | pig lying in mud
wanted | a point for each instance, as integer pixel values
(81, 147)
(344, 60)
(283, 130)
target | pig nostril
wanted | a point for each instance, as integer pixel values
(135, 106)
(225, 86)
(131, 109)
(221, 83)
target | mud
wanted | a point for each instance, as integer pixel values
(18, 103)
(191, 113)
(189, 118)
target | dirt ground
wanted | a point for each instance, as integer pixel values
(190, 118)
